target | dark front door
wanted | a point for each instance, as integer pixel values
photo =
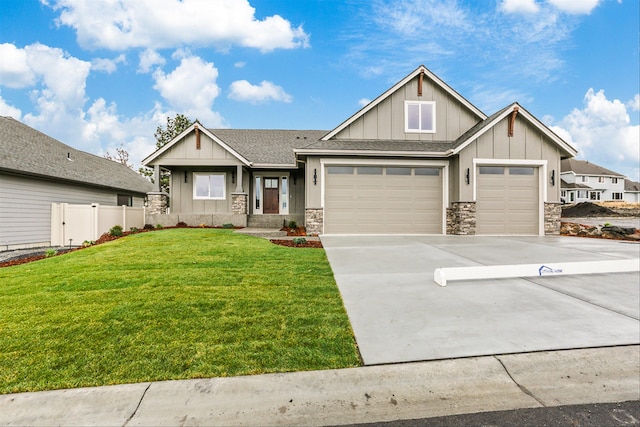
(271, 196)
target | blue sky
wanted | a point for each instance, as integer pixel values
(97, 74)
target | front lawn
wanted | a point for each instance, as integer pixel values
(170, 304)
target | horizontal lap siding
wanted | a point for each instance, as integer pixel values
(25, 206)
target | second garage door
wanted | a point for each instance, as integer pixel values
(507, 200)
(383, 200)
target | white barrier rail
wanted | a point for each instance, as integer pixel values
(444, 274)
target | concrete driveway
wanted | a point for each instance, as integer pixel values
(399, 314)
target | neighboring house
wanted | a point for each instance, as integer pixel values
(631, 191)
(583, 181)
(37, 170)
(419, 159)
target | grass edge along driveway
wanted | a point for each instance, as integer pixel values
(170, 304)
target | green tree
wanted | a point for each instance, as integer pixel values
(175, 126)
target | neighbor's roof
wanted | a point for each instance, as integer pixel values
(27, 151)
(266, 146)
(565, 184)
(583, 167)
(631, 186)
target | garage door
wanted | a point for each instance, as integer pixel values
(507, 200)
(383, 200)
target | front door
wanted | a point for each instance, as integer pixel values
(271, 196)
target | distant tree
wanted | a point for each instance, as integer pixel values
(175, 126)
(121, 156)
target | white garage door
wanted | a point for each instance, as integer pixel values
(383, 200)
(507, 200)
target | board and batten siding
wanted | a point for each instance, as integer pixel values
(186, 153)
(527, 143)
(386, 120)
(25, 207)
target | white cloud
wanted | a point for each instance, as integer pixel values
(575, 7)
(15, 72)
(191, 86)
(9, 110)
(363, 101)
(519, 6)
(148, 59)
(240, 64)
(108, 65)
(170, 23)
(634, 104)
(64, 76)
(602, 132)
(242, 90)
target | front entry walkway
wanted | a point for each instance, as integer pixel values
(399, 314)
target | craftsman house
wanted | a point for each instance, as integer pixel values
(37, 171)
(583, 181)
(419, 159)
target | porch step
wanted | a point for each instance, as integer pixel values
(265, 233)
(272, 221)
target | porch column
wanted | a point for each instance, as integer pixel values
(156, 178)
(239, 188)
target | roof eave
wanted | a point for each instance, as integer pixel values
(376, 153)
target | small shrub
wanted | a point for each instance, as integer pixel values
(158, 226)
(148, 227)
(293, 224)
(50, 252)
(88, 243)
(228, 225)
(116, 231)
(134, 229)
(607, 224)
(181, 224)
(299, 240)
(202, 226)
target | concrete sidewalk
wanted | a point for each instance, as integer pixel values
(347, 396)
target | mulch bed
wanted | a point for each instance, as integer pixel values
(291, 244)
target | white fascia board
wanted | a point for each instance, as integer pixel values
(184, 133)
(397, 86)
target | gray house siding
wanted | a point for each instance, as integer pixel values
(25, 207)
(387, 119)
(527, 143)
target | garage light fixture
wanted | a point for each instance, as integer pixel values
(315, 177)
(466, 177)
(553, 177)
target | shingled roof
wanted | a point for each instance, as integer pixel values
(26, 151)
(583, 167)
(269, 147)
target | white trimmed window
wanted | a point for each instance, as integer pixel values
(420, 116)
(616, 196)
(584, 178)
(614, 180)
(209, 186)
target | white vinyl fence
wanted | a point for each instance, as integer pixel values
(71, 225)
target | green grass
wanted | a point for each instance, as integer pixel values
(170, 304)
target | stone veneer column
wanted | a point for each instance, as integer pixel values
(461, 218)
(158, 201)
(552, 217)
(313, 221)
(239, 203)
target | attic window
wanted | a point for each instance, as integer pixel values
(420, 116)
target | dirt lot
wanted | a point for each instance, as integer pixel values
(603, 209)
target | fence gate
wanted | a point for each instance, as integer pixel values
(73, 224)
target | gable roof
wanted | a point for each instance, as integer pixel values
(421, 69)
(483, 126)
(583, 167)
(565, 184)
(253, 147)
(26, 151)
